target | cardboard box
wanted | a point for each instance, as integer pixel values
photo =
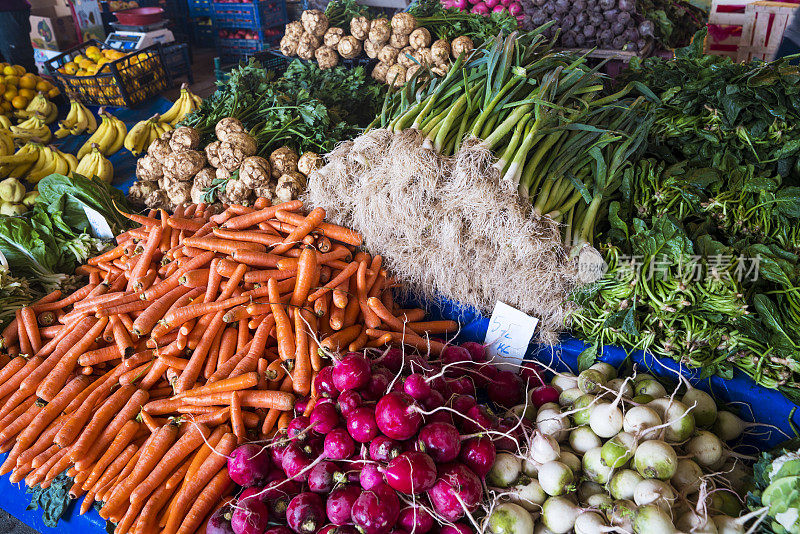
(88, 15)
(40, 55)
(51, 32)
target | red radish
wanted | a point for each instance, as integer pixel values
(249, 464)
(339, 444)
(348, 401)
(328, 529)
(441, 441)
(415, 519)
(383, 449)
(219, 522)
(544, 394)
(531, 372)
(477, 352)
(351, 372)
(455, 358)
(362, 424)
(478, 454)
(491, 4)
(480, 9)
(416, 386)
(455, 528)
(314, 446)
(376, 387)
(370, 476)
(277, 494)
(506, 389)
(411, 472)
(250, 517)
(324, 383)
(253, 492)
(324, 476)
(456, 488)
(438, 383)
(463, 403)
(434, 400)
(479, 419)
(298, 428)
(440, 416)
(499, 8)
(392, 359)
(274, 530)
(301, 404)
(295, 463)
(507, 443)
(277, 450)
(397, 417)
(324, 418)
(375, 511)
(515, 9)
(340, 503)
(461, 386)
(306, 513)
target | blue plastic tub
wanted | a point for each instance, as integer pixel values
(256, 16)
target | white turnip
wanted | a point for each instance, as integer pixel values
(593, 467)
(563, 381)
(591, 381)
(581, 409)
(607, 369)
(639, 419)
(510, 518)
(704, 409)
(555, 478)
(652, 520)
(623, 484)
(559, 514)
(650, 387)
(654, 491)
(655, 459)
(687, 476)
(571, 461)
(528, 494)
(606, 419)
(617, 451)
(505, 471)
(582, 439)
(569, 396)
(705, 448)
(543, 448)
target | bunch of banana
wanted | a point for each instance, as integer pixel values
(34, 161)
(187, 103)
(5, 122)
(6, 142)
(79, 120)
(41, 105)
(33, 128)
(94, 164)
(109, 136)
(144, 133)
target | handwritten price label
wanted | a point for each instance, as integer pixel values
(508, 336)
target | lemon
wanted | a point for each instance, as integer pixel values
(27, 93)
(9, 71)
(10, 93)
(19, 102)
(28, 81)
(12, 80)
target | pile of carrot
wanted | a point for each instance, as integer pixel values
(197, 332)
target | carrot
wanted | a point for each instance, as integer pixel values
(11, 368)
(332, 231)
(358, 343)
(67, 301)
(152, 453)
(343, 276)
(371, 319)
(251, 398)
(159, 498)
(304, 227)
(149, 421)
(101, 417)
(257, 277)
(257, 259)
(227, 346)
(162, 288)
(137, 359)
(25, 346)
(210, 466)
(250, 362)
(338, 316)
(237, 423)
(283, 420)
(15, 427)
(433, 327)
(195, 366)
(410, 339)
(240, 382)
(224, 246)
(16, 381)
(179, 223)
(31, 328)
(162, 406)
(73, 426)
(179, 316)
(52, 410)
(118, 445)
(301, 375)
(213, 355)
(105, 354)
(180, 450)
(59, 373)
(173, 361)
(128, 412)
(252, 236)
(283, 327)
(353, 308)
(121, 337)
(306, 270)
(321, 306)
(336, 342)
(253, 218)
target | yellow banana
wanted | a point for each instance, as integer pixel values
(68, 122)
(72, 161)
(62, 165)
(33, 128)
(81, 121)
(138, 137)
(52, 113)
(6, 143)
(105, 170)
(48, 167)
(122, 131)
(173, 112)
(92, 120)
(5, 122)
(103, 130)
(107, 139)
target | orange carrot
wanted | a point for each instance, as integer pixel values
(52, 410)
(252, 219)
(304, 227)
(240, 382)
(105, 354)
(25, 346)
(332, 231)
(343, 276)
(283, 327)
(301, 375)
(336, 342)
(118, 445)
(101, 417)
(433, 327)
(251, 398)
(237, 423)
(306, 270)
(31, 328)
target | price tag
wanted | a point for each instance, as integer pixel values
(507, 338)
(100, 227)
(3, 261)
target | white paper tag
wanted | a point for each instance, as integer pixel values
(507, 338)
(100, 227)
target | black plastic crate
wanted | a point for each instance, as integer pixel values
(361, 61)
(177, 61)
(268, 59)
(125, 82)
(250, 16)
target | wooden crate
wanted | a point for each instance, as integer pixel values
(727, 17)
(763, 29)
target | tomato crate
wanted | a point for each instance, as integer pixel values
(127, 81)
(201, 8)
(255, 16)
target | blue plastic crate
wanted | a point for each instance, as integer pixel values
(239, 48)
(201, 8)
(255, 16)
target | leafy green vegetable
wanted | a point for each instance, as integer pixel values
(675, 21)
(776, 478)
(14, 294)
(53, 501)
(449, 23)
(341, 12)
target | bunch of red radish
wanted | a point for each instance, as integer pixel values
(395, 445)
(486, 7)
